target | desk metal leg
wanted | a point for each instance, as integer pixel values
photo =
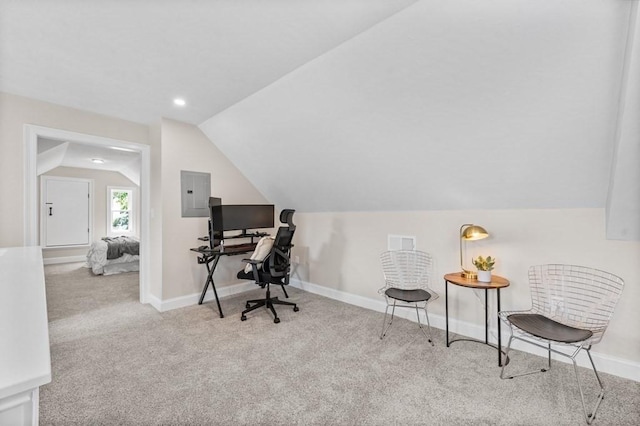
(206, 285)
(486, 316)
(211, 270)
(446, 308)
(499, 333)
(217, 300)
(486, 322)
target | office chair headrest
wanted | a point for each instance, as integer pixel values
(286, 216)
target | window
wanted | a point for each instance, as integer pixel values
(120, 214)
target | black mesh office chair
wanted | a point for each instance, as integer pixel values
(273, 269)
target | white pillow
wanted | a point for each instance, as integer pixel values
(262, 250)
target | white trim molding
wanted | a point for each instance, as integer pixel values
(605, 363)
(192, 299)
(65, 259)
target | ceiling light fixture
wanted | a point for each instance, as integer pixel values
(97, 160)
(179, 102)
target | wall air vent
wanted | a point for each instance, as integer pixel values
(401, 242)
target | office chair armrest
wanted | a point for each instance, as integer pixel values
(255, 265)
(254, 269)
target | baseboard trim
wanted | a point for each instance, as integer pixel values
(155, 302)
(605, 363)
(66, 259)
(192, 299)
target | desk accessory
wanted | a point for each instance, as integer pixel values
(485, 266)
(470, 232)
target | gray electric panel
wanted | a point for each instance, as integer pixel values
(195, 188)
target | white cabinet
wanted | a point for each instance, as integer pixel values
(25, 359)
(20, 409)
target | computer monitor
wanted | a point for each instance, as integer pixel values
(237, 217)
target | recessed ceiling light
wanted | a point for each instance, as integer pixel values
(97, 160)
(179, 102)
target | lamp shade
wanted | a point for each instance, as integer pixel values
(474, 232)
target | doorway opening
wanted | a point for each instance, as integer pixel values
(31, 212)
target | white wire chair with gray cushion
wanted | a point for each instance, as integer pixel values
(571, 308)
(407, 275)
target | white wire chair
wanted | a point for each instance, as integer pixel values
(407, 275)
(571, 308)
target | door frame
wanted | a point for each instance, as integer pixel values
(31, 202)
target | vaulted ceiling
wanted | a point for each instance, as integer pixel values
(445, 105)
(364, 105)
(130, 59)
(57, 153)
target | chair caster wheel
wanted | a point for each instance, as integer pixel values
(243, 318)
(276, 320)
(295, 309)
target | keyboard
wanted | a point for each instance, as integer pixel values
(228, 249)
(239, 247)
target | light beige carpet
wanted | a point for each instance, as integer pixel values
(118, 362)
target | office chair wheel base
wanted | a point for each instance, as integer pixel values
(247, 305)
(276, 320)
(295, 309)
(243, 318)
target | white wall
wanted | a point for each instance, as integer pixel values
(101, 179)
(341, 251)
(175, 146)
(185, 147)
(15, 112)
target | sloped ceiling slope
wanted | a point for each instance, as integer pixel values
(55, 153)
(444, 105)
(130, 59)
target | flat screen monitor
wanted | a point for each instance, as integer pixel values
(241, 217)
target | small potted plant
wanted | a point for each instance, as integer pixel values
(485, 266)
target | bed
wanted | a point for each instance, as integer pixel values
(114, 255)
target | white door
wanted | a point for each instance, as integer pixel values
(65, 216)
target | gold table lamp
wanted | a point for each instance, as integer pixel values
(470, 232)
